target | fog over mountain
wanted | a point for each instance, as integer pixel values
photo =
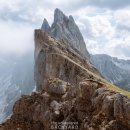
(16, 79)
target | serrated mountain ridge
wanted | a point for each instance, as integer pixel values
(65, 29)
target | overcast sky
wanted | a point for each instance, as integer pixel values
(105, 24)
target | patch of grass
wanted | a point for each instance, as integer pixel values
(109, 86)
(117, 89)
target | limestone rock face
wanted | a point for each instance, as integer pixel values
(65, 30)
(54, 60)
(56, 86)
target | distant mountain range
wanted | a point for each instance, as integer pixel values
(16, 79)
(115, 70)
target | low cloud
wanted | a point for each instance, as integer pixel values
(15, 38)
(105, 24)
(111, 4)
(107, 33)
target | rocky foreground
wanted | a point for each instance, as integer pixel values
(89, 107)
(71, 93)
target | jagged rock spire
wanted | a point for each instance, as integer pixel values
(59, 16)
(65, 29)
(45, 26)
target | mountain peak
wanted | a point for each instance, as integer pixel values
(59, 16)
(71, 18)
(45, 26)
(65, 29)
(57, 10)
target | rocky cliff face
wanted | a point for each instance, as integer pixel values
(114, 70)
(71, 94)
(55, 59)
(64, 29)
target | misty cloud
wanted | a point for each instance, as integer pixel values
(104, 23)
(111, 4)
(106, 33)
(123, 50)
(15, 38)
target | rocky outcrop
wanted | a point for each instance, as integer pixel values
(64, 29)
(63, 106)
(54, 59)
(45, 26)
